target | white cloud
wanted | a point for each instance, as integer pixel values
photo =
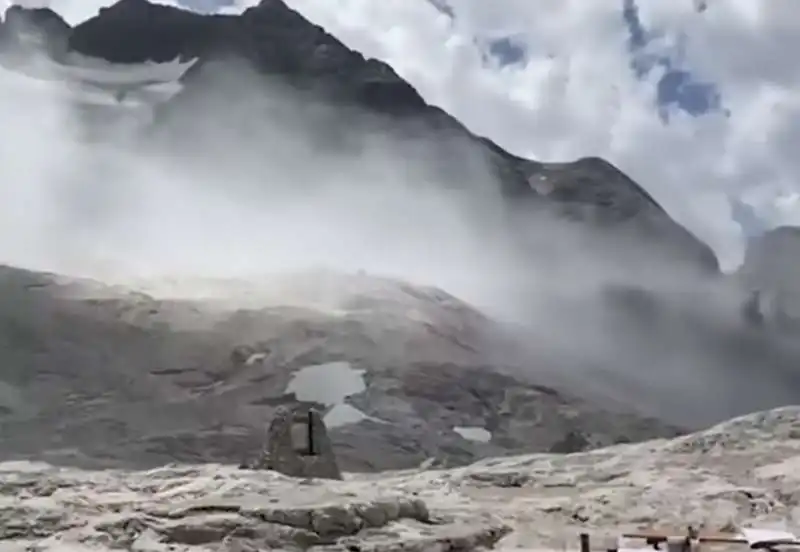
(578, 96)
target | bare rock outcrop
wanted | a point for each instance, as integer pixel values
(742, 473)
(99, 376)
(222, 509)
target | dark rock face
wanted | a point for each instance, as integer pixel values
(272, 37)
(279, 43)
(592, 190)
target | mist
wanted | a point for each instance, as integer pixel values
(245, 180)
(230, 202)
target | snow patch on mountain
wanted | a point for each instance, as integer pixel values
(330, 384)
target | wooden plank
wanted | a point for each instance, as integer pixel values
(655, 536)
(770, 540)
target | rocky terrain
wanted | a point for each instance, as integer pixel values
(97, 375)
(738, 474)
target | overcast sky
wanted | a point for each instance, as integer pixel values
(697, 100)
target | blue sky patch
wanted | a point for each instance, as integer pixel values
(677, 87)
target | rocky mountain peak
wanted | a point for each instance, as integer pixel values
(271, 36)
(278, 42)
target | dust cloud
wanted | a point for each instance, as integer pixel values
(242, 188)
(241, 180)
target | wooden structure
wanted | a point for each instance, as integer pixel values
(755, 539)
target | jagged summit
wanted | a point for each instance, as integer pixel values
(274, 38)
(34, 45)
(280, 43)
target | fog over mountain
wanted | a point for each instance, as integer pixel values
(560, 81)
(286, 203)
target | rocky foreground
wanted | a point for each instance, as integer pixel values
(742, 472)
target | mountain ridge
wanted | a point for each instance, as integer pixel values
(278, 42)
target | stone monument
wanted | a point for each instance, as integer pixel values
(298, 444)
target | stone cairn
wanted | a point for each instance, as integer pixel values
(298, 445)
